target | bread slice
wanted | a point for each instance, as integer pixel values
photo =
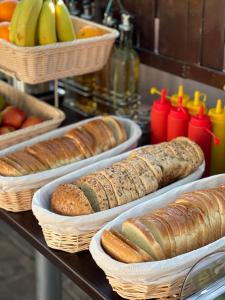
(144, 254)
(191, 144)
(69, 200)
(70, 149)
(134, 175)
(124, 166)
(153, 165)
(107, 186)
(28, 162)
(121, 184)
(106, 130)
(220, 198)
(44, 153)
(140, 235)
(84, 140)
(94, 192)
(145, 174)
(119, 249)
(98, 132)
(118, 130)
(10, 168)
(159, 232)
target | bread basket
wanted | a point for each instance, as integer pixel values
(16, 192)
(159, 279)
(31, 106)
(73, 234)
(44, 63)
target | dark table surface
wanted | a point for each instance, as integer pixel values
(80, 267)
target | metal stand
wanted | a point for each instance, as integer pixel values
(56, 94)
(48, 278)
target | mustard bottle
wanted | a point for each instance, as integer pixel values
(180, 93)
(217, 116)
(194, 105)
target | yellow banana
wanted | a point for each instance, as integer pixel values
(46, 29)
(64, 26)
(13, 23)
(27, 22)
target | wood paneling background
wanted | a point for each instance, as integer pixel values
(191, 36)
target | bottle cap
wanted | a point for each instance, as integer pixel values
(126, 24)
(195, 104)
(201, 120)
(180, 93)
(179, 112)
(217, 114)
(163, 103)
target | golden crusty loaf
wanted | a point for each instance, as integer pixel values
(194, 220)
(76, 144)
(69, 200)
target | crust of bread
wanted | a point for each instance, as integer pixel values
(121, 133)
(119, 249)
(10, 168)
(69, 200)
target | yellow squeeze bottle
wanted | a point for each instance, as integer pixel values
(217, 116)
(194, 105)
(180, 93)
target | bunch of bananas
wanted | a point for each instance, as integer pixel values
(38, 22)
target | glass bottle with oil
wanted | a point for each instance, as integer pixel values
(125, 65)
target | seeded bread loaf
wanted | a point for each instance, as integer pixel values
(143, 172)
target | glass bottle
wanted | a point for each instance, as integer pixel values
(125, 65)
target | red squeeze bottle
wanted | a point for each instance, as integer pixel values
(200, 131)
(159, 116)
(178, 120)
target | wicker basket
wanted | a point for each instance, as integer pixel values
(32, 106)
(16, 193)
(43, 63)
(158, 279)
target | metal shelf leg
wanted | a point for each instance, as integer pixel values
(48, 278)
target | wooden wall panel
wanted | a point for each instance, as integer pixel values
(213, 34)
(144, 13)
(173, 28)
(194, 34)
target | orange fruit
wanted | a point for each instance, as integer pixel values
(7, 8)
(89, 31)
(4, 30)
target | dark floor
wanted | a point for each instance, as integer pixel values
(17, 270)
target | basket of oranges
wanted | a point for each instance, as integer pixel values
(43, 42)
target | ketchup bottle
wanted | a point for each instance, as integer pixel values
(159, 115)
(178, 119)
(200, 131)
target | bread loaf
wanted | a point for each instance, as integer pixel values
(90, 139)
(143, 172)
(193, 220)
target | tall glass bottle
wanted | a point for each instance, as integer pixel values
(125, 65)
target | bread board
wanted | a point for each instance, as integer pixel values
(39, 64)
(73, 234)
(32, 106)
(158, 279)
(16, 192)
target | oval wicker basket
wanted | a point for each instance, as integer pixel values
(31, 106)
(16, 192)
(44, 63)
(158, 279)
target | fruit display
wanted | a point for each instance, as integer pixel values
(38, 22)
(13, 118)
